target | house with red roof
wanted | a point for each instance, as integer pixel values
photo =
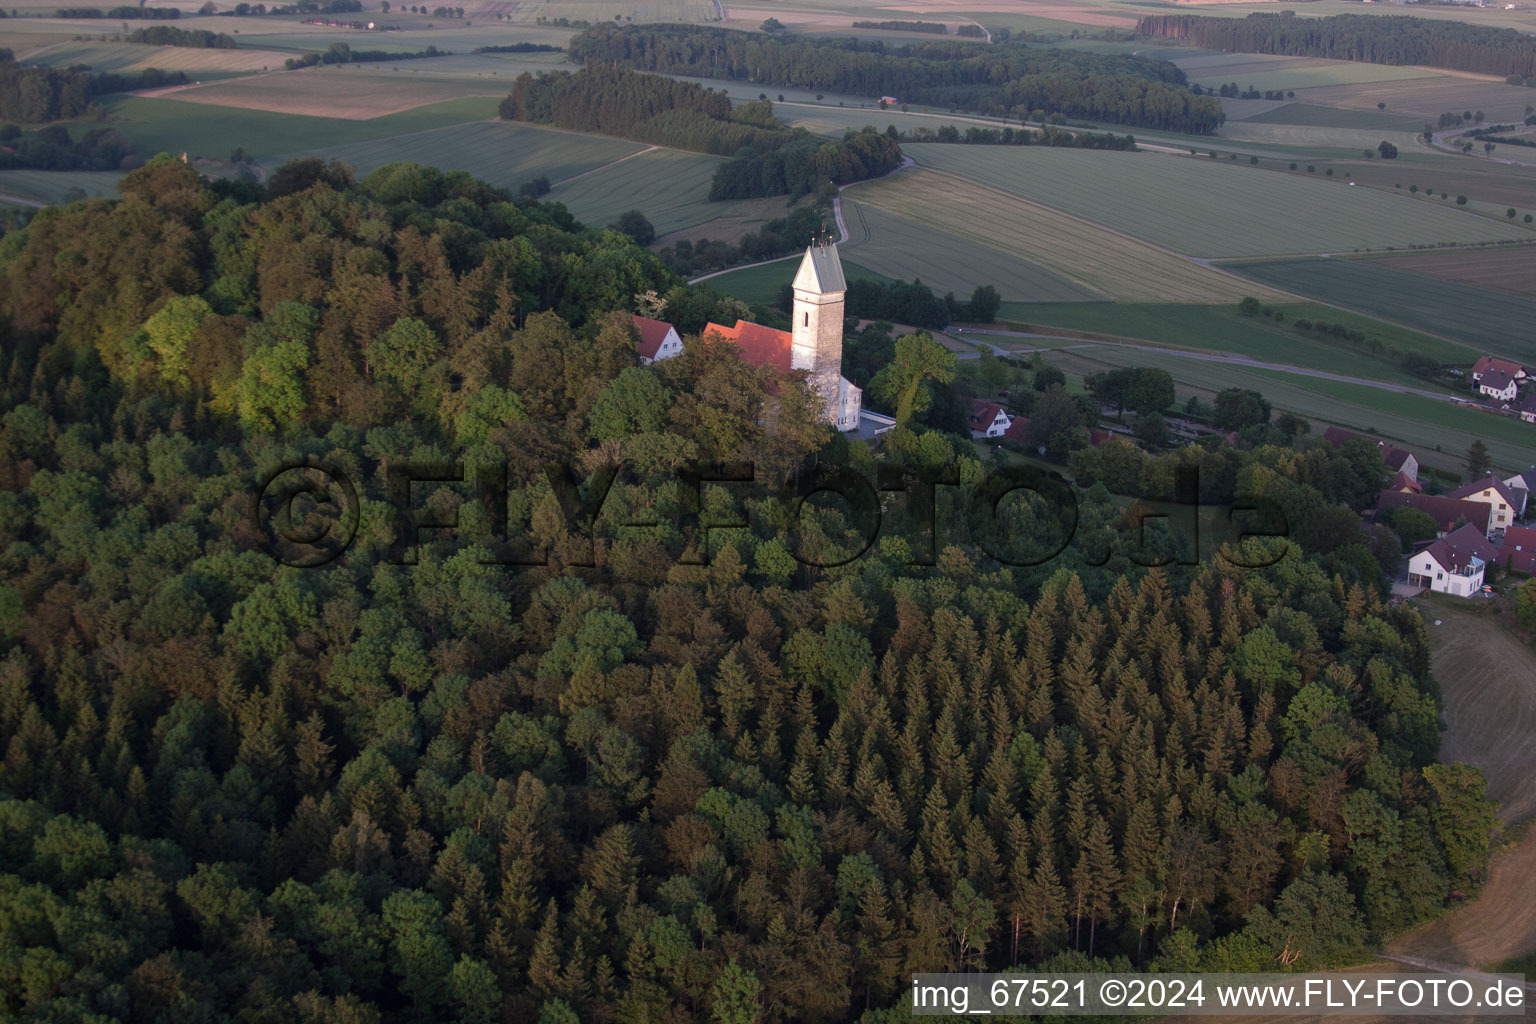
(1454, 564)
(988, 419)
(658, 340)
(1449, 514)
(1505, 503)
(1518, 551)
(1510, 369)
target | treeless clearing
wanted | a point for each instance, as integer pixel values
(333, 92)
(1427, 97)
(1510, 270)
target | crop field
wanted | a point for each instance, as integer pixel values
(128, 57)
(638, 11)
(1056, 257)
(1311, 139)
(667, 185)
(1437, 432)
(1508, 270)
(760, 285)
(1493, 15)
(1502, 185)
(1428, 97)
(1272, 71)
(1210, 208)
(338, 92)
(1223, 329)
(1495, 321)
(498, 153)
(167, 125)
(1312, 115)
(58, 186)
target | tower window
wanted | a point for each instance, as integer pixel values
(807, 319)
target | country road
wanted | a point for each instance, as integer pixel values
(1210, 357)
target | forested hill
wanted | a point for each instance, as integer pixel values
(614, 783)
(1004, 79)
(1394, 39)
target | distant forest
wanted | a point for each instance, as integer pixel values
(771, 159)
(37, 95)
(1394, 39)
(166, 35)
(1010, 79)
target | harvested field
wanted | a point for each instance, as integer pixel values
(342, 92)
(1315, 116)
(1502, 185)
(1272, 71)
(1509, 270)
(1067, 259)
(1427, 97)
(1242, 210)
(130, 57)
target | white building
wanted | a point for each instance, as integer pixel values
(1505, 503)
(658, 340)
(1453, 564)
(988, 419)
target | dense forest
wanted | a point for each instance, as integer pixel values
(1004, 79)
(167, 35)
(1396, 39)
(650, 763)
(37, 95)
(771, 159)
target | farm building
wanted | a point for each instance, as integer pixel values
(1498, 384)
(1453, 564)
(1403, 482)
(1449, 514)
(658, 340)
(987, 419)
(814, 345)
(1525, 481)
(1504, 366)
(1506, 503)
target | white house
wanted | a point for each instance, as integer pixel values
(988, 419)
(1453, 564)
(1505, 503)
(1504, 366)
(1523, 481)
(658, 340)
(1498, 384)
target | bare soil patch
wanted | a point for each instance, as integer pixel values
(1509, 270)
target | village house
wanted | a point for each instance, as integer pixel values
(1512, 370)
(658, 340)
(1524, 481)
(1506, 503)
(1518, 552)
(1498, 384)
(1454, 564)
(1449, 514)
(987, 419)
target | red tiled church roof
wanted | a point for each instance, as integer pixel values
(759, 345)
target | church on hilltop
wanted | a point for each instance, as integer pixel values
(813, 345)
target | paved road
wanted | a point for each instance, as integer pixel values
(1213, 357)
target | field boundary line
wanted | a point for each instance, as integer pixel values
(604, 167)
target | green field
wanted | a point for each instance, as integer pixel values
(1437, 432)
(168, 125)
(669, 186)
(1495, 321)
(1223, 329)
(1271, 71)
(760, 285)
(352, 91)
(1427, 97)
(1211, 208)
(58, 186)
(497, 152)
(955, 234)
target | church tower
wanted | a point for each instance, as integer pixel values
(817, 338)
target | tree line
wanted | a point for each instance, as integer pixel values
(35, 95)
(52, 149)
(120, 13)
(630, 782)
(804, 163)
(1049, 135)
(1004, 79)
(934, 28)
(341, 53)
(1395, 39)
(165, 35)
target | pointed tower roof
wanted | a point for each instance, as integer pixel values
(821, 272)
